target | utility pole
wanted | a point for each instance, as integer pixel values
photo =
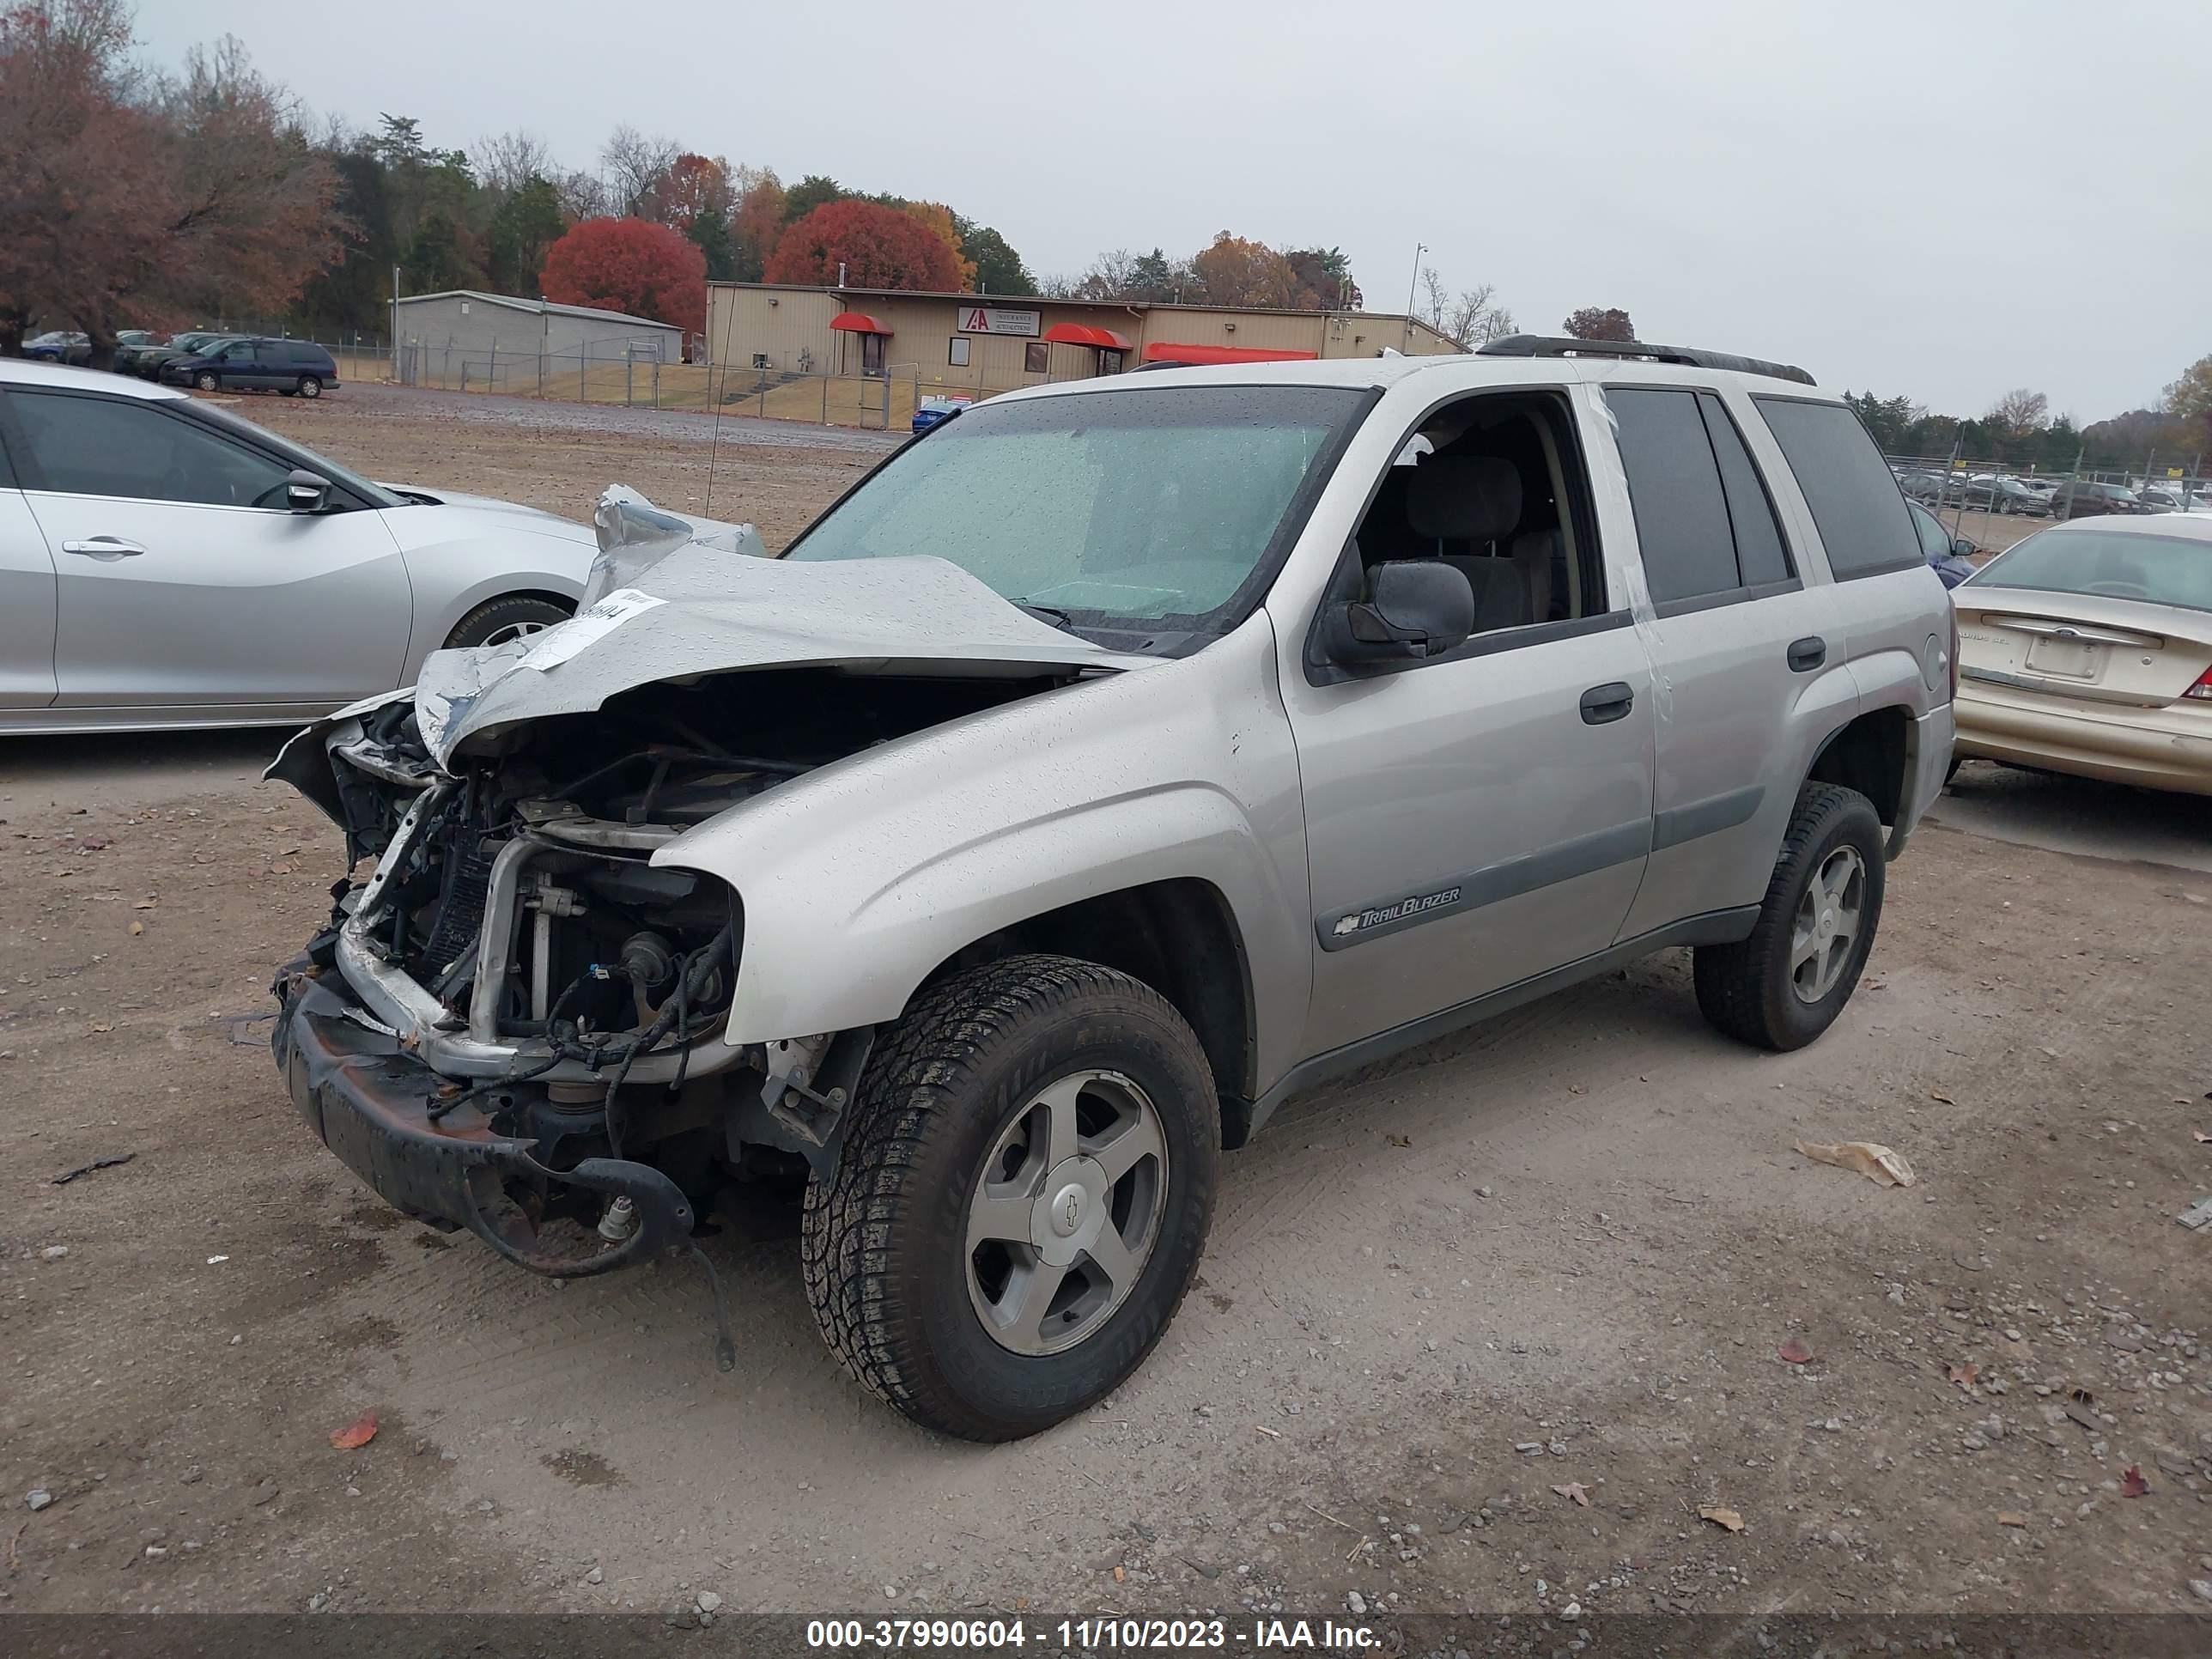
(395, 322)
(1411, 283)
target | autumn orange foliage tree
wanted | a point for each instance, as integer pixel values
(876, 246)
(629, 264)
(127, 198)
(937, 219)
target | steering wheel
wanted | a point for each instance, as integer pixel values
(2119, 590)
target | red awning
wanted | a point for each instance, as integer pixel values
(1082, 334)
(857, 322)
(1166, 351)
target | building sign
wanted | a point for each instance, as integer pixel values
(989, 319)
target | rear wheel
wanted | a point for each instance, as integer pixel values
(1785, 984)
(495, 621)
(310, 386)
(1025, 1186)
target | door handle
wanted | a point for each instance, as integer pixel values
(104, 547)
(1611, 702)
(1807, 653)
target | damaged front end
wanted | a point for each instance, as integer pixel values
(520, 1024)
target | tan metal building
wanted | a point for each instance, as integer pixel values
(983, 343)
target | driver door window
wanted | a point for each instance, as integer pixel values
(92, 445)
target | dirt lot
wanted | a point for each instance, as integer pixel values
(1553, 1259)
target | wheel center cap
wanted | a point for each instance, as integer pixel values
(1067, 1207)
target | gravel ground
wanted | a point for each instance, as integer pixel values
(1557, 1259)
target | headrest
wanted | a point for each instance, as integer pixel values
(1463, 498)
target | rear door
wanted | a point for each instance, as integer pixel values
(1740, 642)
(182, 577)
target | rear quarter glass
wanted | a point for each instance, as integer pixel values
(1855, 502)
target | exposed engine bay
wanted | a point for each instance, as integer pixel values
(560, 992)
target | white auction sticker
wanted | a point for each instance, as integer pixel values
(592, 623)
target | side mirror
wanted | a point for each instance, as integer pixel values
(1963, 548)
(305, 491)
(1421, 608)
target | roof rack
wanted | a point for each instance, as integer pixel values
(1542, 345)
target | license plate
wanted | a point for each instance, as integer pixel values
(2076, 660)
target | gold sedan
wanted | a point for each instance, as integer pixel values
(2087, 648)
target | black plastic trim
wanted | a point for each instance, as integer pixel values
(1705, 818)
(1712, 927)
(1698, 602)
(1548, 345)
(1508, 879)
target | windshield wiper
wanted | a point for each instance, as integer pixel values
(1051, 613)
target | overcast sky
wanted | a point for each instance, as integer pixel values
(1942, 201)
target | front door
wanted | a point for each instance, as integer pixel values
(1481, 818)
(182, 576)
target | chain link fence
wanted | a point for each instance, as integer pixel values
(1996, 505)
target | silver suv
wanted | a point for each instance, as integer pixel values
(1113, 762)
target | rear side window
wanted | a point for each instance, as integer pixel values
(1855, 500)
(1674, 485)
(1703, 519)
(1760, 557)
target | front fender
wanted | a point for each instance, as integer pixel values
(857, 881)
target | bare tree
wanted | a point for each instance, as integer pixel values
(1471, 317)
(2020, 410)
(583, 196)
(636, 166)
(504, 164)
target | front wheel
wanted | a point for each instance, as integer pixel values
(495, 621)
(1785, 984)
(1025, 1186)
(206, 380)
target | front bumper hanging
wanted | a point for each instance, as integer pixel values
(369, 1101)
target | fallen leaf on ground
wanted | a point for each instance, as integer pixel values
(356, 1434)
(1937, 1094)
(103, 1025)
(1877, 1163)
(2011, 1518)
(1792, 1352)
(1398, 1140)
(146, 903)
(1119, 1575)
(1728, 1518)
(1875, 984)
(1575, 1490)
(1964, 1376)
(2202, 1138)
(137, 928)
(2132, 1484)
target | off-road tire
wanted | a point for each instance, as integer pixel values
(495, 616)
(883, 1234)
(1744, 989)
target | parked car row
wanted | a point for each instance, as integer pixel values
(207, 359)
(2043, 498)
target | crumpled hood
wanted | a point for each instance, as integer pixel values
(709, 609)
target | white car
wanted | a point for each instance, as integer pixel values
(166, 565)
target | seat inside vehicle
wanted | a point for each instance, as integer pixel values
(1493, 487)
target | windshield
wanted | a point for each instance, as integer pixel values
(2111, 564)
(1150, 511)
